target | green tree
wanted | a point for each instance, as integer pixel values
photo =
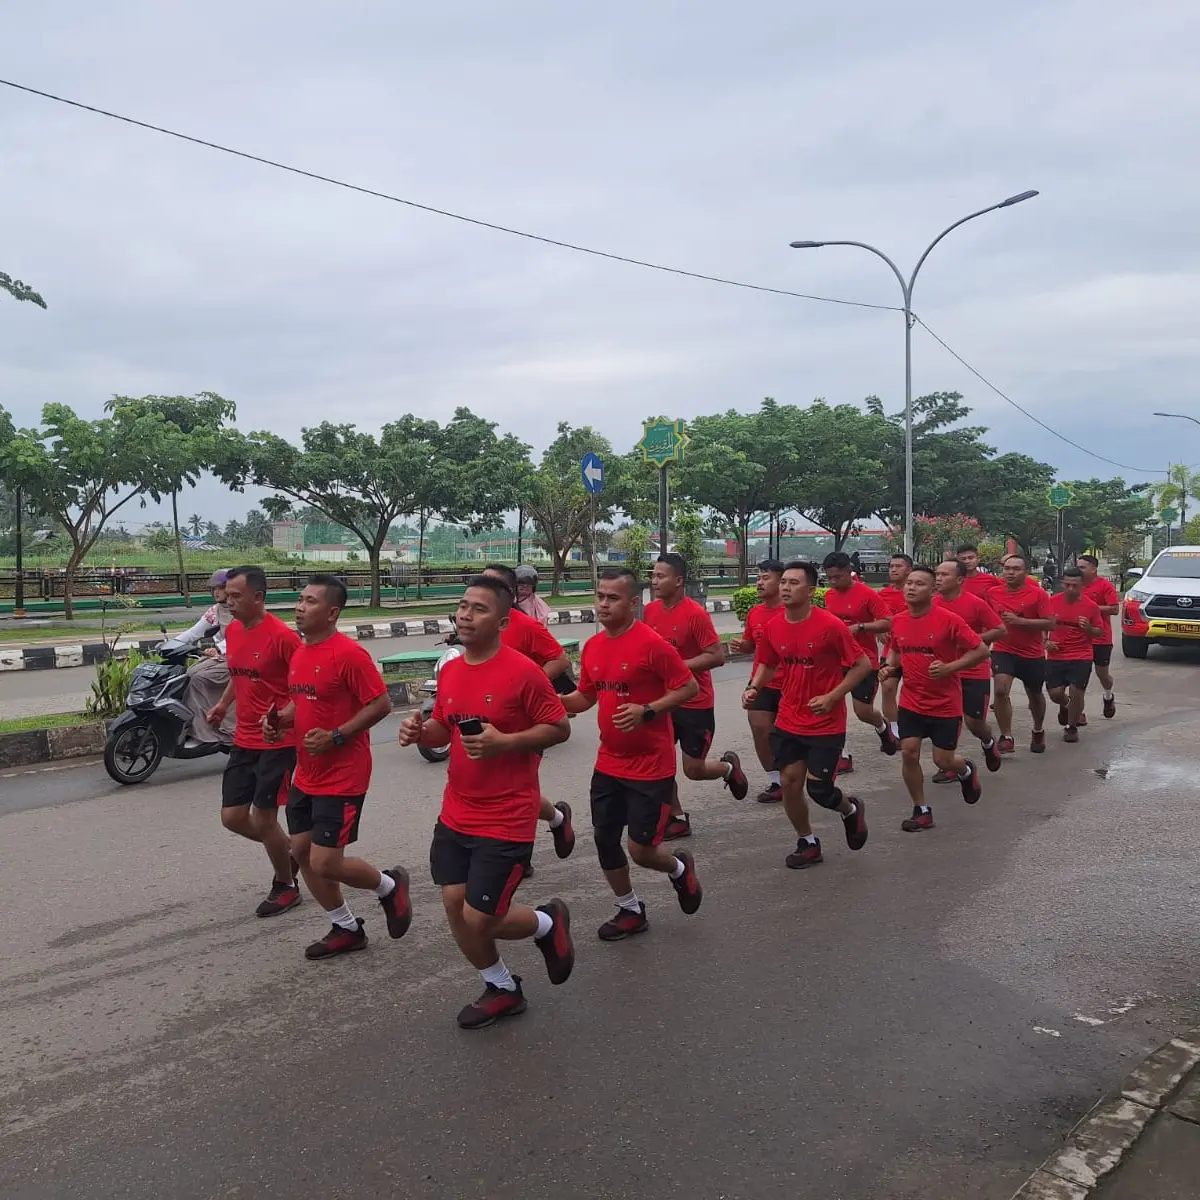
(82, 472)
(19, 290)
(688, 526)
(212, 533)
(258, 528)
(195, 525)
(1101, 508)
(1181, 485)
(635, 541)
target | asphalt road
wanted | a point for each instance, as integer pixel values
(921, 1019)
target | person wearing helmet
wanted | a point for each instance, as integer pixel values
(528, 601)
(208, 677)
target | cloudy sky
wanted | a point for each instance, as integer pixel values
(702, 136)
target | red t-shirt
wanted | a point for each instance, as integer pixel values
(258, 661)
(893, 597)
(688, 628)
(1102, 594)
(757, 620)
(859, 603)
(1074, 644)
(1027, 601)
(530, 638)
(981, 585)
(494, 797)
(939, 635)
(331, 682)
(636, 667)
(979, 616)
(811, 658)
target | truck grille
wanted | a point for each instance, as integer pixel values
(1173, 608)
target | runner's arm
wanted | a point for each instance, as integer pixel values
(860, 669)
(370, 714)
(762, 676)
(537, 737)
(675, 697)
(557, 666)
(708, 659)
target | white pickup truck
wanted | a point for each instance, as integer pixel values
(1162, 608)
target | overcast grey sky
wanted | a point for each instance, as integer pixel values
(699, 135)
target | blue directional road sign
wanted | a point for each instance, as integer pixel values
(591, 471)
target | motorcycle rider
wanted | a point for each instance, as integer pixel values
(528, 601)
(209, 676)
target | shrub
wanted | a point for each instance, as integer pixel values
(744, 599)
(110, 689)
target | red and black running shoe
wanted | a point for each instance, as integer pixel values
(395, 905)
(1006, 744)
(845, 764)
(338, 941)
(624, 923)
(991, 756)
(771, 794)
(280, 898)
(687, 886)
(678, 827)
(1110, 707)
(920, 820)
(492, 1005)
(557, 947)
(888, 742)
(806, 854)
(945, 777)
(972, 789)
(736, 781)
(1037, 743)
(855, 825)
(1082, 720)
(564, 832)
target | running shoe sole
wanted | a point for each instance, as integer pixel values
(856, 825)
(736, 781)
(557, 947)
(564, 834)
(399, 918)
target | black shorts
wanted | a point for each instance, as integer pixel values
(766, 701)
(1030, 671)
(1102, 655)
(491, 868)
(864, 692)
(332, 820)
(641, 806)
(821, 752)
(258, 777)
(694, 730)
(1072, 672)
(941, 731)
(976, 693)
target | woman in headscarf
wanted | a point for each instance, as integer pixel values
(208, 676)
(528, 601)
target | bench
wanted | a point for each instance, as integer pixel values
(396, 664)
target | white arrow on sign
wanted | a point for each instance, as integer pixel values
(593, 473)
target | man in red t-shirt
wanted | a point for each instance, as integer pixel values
(868, 617)
(1104, 596)
(1077, 625)
(977, 681)
(639, 682)
(892, 595)
(761, 714)
(337, 695)
(497, 711)
(678, 619)
(931, 647)
(976, 582)
(258, 651)
(811, 656)
(1024, 608)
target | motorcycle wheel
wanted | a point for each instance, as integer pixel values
(133, 755)
(433, 754)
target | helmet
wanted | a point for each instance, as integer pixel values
(527, 574)
(218, 579)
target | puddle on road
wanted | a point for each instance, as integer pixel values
(1174, 770)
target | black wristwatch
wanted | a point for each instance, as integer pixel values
(339, 738)
(648, 714)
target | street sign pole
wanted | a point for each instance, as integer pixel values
(664, 510)
(663, 442)
(19, 593)
(1061, 498)
(520, 531)
(595, 568)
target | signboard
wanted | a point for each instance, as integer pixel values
(1169, 516)
(663, 441)
(1061, 496)
(591, 471)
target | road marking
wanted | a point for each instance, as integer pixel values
(45, 770)
(1088, 1020)
(1047, 1032)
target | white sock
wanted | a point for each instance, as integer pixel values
(853, 810)
(498, 975)
(773, 777)
(882, 727)
(728, 770)
(988, 744)
(387, 885)
(894, 726)
(557, 819)
(1108, 696)
(630, 902)
(545, 924)
(678, 869)
(923, 808)
(344, 917)
(810, 838)
(966, 772)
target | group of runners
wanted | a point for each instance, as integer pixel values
(305, 699)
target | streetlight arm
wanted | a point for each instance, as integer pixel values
(1179, 417)
(904, 286)
(949, 229)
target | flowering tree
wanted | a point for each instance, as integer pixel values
(933, 537)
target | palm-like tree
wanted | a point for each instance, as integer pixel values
(196, 524)
(1182, 484)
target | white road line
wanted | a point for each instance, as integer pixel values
(1047, 1032)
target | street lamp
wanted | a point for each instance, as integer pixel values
(1180, 417)
(906, 287)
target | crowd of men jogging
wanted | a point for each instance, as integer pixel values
(927, 647)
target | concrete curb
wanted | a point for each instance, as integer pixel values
(1099, 1143)
(31, 747)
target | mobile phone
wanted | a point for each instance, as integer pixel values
(273, 716)
(471, 726)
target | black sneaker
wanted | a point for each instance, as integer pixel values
(395, 905)
(806, 854)
(771, 794)
(678, 827)
(1037, 743)
(887, 740)
(338, 941)
(1071, 733)
(624, 923)
(687, 886)
(1064, 717)
(492, 1005)
(557, 947)
(991, 756)
(280, 898)
(855, 825)
(736, 781)
(972, 789)
(564, 833)
(919, 821)
(1110, 707)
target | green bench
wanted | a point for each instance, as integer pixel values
(396, 664)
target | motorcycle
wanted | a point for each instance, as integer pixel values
(158, 722)
(454, 648)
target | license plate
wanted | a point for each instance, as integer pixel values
(1176, 628)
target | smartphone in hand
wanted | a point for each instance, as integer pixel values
(471, 726)
(273, 716)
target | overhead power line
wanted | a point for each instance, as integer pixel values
(440, 212)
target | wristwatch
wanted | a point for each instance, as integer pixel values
(648, 714)
(339, 738)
